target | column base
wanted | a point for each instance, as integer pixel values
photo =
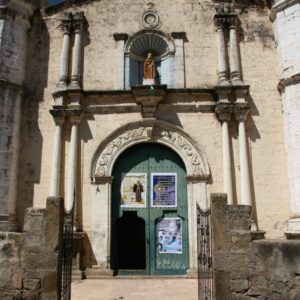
(293, 230)
(98, 273)
(192, 273)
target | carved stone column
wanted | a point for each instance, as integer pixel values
(222, 61)
(120, 39)
(59, 118)
(224, 111)
(75, 116)
(78, 20)
(241, 111)
(65, 53)
(234, 50)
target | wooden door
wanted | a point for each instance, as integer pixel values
(149, 212)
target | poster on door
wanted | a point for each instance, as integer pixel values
(134, 190)
(163, 190)
(169, 235)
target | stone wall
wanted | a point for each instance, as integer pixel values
(246, 268)
(30, 261)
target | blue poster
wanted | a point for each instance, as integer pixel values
(163, 190)
(169, 235)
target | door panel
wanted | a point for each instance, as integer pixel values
(150, 158)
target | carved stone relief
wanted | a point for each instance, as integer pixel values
(149, 131)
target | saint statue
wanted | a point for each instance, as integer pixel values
(149, 67)
(138, 189)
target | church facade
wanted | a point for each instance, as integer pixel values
(136, 111)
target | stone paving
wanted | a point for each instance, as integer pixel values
(135, 289)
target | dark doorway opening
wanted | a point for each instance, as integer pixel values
(131, 242)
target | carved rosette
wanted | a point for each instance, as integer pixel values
(149, 131)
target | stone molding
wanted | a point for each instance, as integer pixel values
(281, 5)
(149, 97)
(149, 131)
(295, 79)
(170, 49)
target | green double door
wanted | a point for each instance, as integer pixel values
(149, 212)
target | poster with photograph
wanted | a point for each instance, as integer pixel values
(169, 235)
(163, 190)
(134, 190)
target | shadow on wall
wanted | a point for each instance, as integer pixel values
(31, 137)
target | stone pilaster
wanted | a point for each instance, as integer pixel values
(179, 39)
(120, 39)
(285, 15)
(14, 23)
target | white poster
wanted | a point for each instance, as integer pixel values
(134, 190)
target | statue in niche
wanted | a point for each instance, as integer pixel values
(149, 68)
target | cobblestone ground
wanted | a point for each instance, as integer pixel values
(135, 289)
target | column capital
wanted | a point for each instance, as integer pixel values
(220, 21)
(78, 21)
(58, 116)
(74, 115)
(66, 23)
(224, 111)
(179, 36)
(232, 21)
(241, 111)
(120, 36)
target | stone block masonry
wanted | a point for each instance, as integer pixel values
(246, 268)
(31, 261)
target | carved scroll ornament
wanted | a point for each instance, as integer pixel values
(145, 131)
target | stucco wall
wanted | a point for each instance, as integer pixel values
(270, 190)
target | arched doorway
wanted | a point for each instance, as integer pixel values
(149, 223)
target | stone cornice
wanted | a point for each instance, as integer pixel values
(16, 8)
(295, 79)
(11, 85)
(281, 5)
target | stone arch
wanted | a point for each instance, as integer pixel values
(139, 44)
(149, 131)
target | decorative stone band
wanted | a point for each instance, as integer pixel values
(58, 116)
(224, 111)
(241, 111)
(149, 131)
